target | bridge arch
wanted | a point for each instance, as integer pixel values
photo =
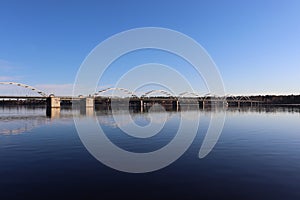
(214, 97)
(125, 91)
(246, 98)
(210, 95)
(188, 94)
(43, 94)
(146, 94)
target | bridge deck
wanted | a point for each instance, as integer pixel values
(69, 98)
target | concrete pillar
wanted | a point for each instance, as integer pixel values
(53, 102)
(203, 104)
(177, 105)
(86, 106)
(87, 102)
(239, 104)
(142, 106)
(225, 104)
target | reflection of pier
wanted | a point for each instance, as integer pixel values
(24, 120)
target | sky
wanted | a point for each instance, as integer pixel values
(254, 43)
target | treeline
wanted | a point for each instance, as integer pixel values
(23, 102)
(277, 99)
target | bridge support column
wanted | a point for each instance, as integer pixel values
(175, 105)
(87, 102)
(142, 105)
(225, 104)
(87, 106)
(53, 102)
(53, 107)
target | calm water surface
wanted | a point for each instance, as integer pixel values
(257, 157)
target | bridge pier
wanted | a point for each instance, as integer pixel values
(87, 106)
(142, 105)
(53, 107)
(225, 104)
(175, 105)
(53, 102)
(87, 102)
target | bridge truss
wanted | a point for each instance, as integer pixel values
(39, 92)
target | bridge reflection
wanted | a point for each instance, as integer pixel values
(21, 119)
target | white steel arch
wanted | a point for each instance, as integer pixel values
(25, 86)
(157, 91)
(126, 91)
(188, 94)
(209, 95)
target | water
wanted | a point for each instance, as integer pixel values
(256, 157)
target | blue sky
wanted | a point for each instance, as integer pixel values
(255, 44)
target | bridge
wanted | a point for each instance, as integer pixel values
(146, 99)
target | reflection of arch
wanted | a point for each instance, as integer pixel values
(157, 91)
(25, 86)
(128, 92)
(188, 94)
